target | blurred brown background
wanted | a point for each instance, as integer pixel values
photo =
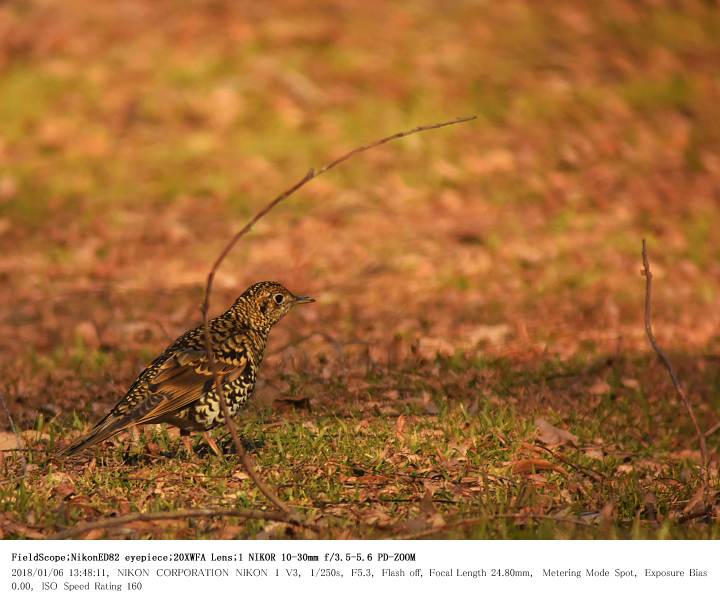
(136, 136)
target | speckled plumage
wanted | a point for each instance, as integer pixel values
(177, 387)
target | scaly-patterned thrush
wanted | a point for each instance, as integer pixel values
(178, 387)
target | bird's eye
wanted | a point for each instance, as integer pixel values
(279, 298)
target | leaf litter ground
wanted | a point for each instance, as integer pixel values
(476, 364)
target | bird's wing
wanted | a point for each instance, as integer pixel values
(175, 380)
(183, 378)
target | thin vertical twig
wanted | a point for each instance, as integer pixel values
(15, 432)
(204, 308)
(667, 364)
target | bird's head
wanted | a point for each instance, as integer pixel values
(266, 302)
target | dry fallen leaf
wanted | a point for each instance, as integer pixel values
(427, 505)
(93, 534)
(553, 436)
(649, 508)
(492, 334)
(33, 436)
(87, 333)
(594, 452)
(311, 427)
(535, 464)
(378, 517)
(430, 348)
(231, 531)
(599, 388)
(10, 441)
(63, 490)
(400, 426)
(428, 516)
(413, 525)
(687, 454)
(696, 504)
(20, 529)
(607, 513)
(631, 383)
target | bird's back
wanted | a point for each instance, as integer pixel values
(178, 387)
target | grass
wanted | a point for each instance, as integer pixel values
(356, 468)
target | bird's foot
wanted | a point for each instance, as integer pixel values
(187, 443)
(212, 444)
(250, 444)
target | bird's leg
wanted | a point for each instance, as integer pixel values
(187, 443)
(212, 444)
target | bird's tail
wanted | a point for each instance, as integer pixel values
(105, 428)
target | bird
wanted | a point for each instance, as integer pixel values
(178, 388)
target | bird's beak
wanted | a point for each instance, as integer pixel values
(303, 300)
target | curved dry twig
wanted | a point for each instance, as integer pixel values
(589, 472)
(466, 522)
(204, 308)
(173, 515)
(666, 361)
